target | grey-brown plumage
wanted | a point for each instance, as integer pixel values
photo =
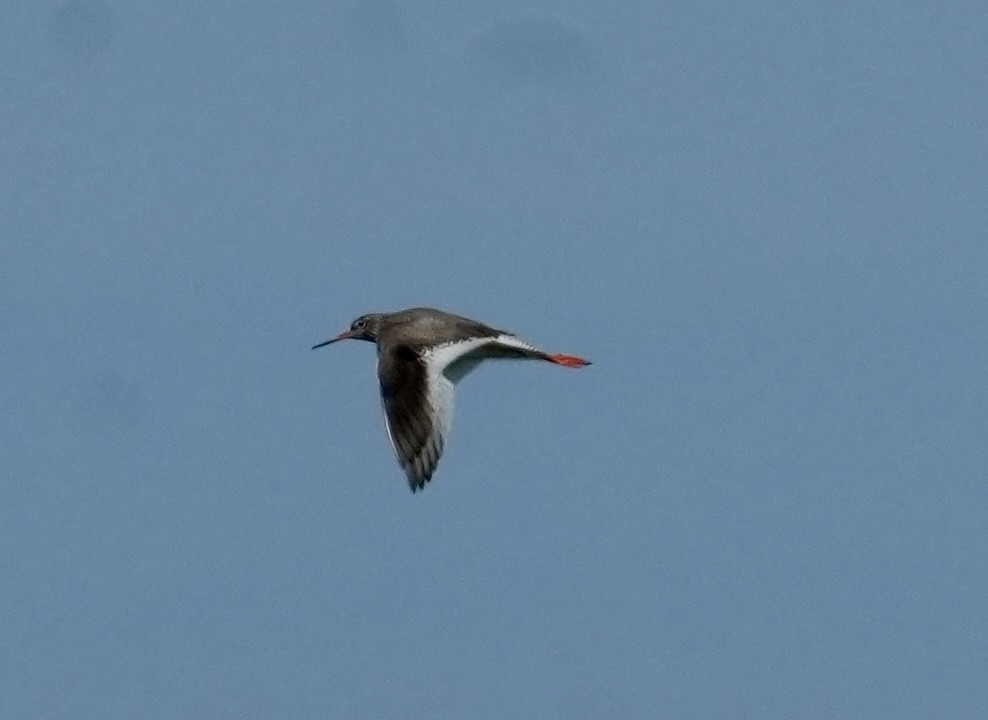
(422, 353)
(409, 416)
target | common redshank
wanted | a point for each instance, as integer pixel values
(421, 354)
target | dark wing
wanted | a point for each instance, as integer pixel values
(415, 430)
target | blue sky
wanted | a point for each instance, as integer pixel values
(765, 224)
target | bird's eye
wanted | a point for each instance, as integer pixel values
(359, 324)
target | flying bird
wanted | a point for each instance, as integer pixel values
(421, 354)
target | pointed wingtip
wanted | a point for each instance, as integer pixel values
(416, 483)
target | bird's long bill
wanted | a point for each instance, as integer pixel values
(341, 336)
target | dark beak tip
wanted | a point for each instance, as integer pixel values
(341, 336)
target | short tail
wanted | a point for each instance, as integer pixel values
(567, 360)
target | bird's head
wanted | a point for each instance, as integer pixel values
(366, 327)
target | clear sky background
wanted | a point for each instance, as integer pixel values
(766, 224)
